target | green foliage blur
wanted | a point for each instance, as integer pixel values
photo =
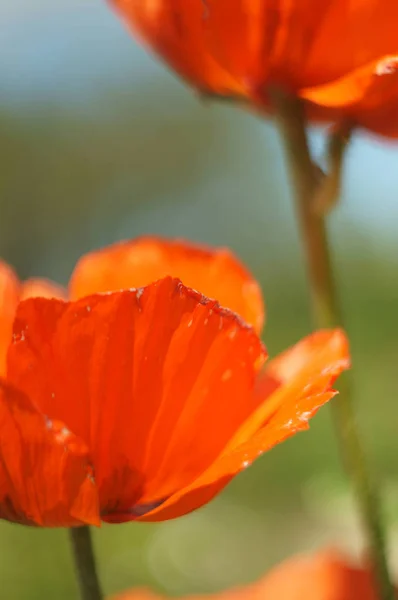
(152, 158)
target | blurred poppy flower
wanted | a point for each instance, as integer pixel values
(316, 50)
(12, 291)
(323, 576)
(142, 403)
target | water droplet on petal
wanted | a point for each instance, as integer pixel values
(387, 66)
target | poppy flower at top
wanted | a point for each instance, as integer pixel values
(313, 49)
(12, 291)
(325, 575)
(141, 403)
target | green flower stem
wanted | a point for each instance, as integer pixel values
(86, 572)
(326, 313)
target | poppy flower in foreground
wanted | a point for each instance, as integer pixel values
(314, 49)
(141, 403)
(323, 576)
(12, 291)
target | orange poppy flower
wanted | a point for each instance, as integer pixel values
(238, 48)
(142, 403)
(13, 291)
(323, 576)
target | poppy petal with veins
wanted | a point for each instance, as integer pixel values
(45, 474)
(155, 381)
(305, 373)
(11, 292)
(215, 272)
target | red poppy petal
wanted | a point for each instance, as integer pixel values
(185, 501)
(309, 356)
(307, 372)
(205, 400)
(42, 288)
(134, 374)
(366, 88)
(216, 273)
(179, 37)
(11, 292)
(315, 43)
(45, 475)
(326, 575)
(283, 425)
(239, 34)
(9, 295)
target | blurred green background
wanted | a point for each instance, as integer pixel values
(99, 142)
